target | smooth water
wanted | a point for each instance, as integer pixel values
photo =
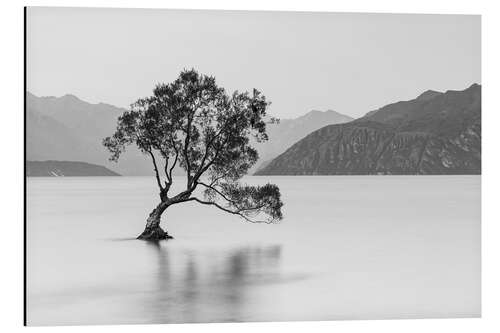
(367, 247)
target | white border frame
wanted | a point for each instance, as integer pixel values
(11, 284)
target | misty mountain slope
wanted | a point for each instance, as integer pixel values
(86, 119)
(436, 133)
(47, 138)
(288, 131)
(67, 128)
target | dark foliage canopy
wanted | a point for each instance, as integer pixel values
(197, 125)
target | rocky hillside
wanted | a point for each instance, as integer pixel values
(288, 131)
(436, 133)
(65, 169)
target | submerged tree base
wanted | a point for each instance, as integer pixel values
(154, 234)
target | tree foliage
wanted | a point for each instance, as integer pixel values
(197, 125)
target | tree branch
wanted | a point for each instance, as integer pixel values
(209, 164)
(220, 177)
(175, 161)
(185, 151)
(210, 203)
(218, 192)
(200, 169)
(156, 169)
(166, 170)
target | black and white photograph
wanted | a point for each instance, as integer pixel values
(222, 166)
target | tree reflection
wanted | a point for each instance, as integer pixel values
(198, 286)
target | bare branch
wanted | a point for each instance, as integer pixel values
(209, 164)
(187, 141)
(238, 212)
(166, 170)
(207, 148)
(156, 169)
(175, 161)
(186, 148)
(218, 192)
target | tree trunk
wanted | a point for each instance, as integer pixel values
(153, 231)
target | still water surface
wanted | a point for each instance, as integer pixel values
(348, 248)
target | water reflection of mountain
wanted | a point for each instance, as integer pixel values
(217, 285)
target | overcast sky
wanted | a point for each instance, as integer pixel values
(351, 63)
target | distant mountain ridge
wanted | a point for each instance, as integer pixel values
(66, 169)
(288, 131)
(80, 116)
(68, 128)
(428, 94)
(435, 133)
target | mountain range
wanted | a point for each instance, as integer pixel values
(435, 133)
(69, 129)
(288, 131)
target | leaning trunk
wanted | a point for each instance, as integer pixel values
(153, 231)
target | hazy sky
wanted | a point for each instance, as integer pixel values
(351, 63)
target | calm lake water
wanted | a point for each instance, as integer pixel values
(367, 247)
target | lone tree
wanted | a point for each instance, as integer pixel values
(195, 124)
